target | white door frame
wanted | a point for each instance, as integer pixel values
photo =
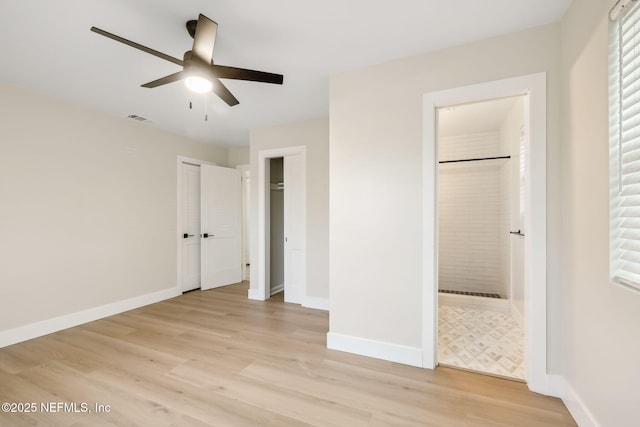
(244, 170)
(258, 287)
(535, 227)
(180, 160)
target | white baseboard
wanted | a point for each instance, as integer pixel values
(378, 349)
(255, 295)
(294, 296)
(318, 303)
(579, 411)
(45, 327)
(481, 303)
(556, 386)
(277, 289)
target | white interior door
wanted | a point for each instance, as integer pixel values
(294, 230)
(518, 291)
(190, 227)
(221, 217)
(246, 198)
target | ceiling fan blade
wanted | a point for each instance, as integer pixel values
(137, 46)
(224, 93)
(165, 80)
(204, 39)
(223, 72)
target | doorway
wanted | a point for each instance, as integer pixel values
(209, 225)
(276, 225)
(289, 239)
(533, 87)
(481, 217)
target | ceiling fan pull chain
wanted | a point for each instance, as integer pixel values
(190, 105)
(206, 107)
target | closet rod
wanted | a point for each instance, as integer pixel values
(474, 160)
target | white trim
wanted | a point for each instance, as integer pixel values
(534, 86)
(179, 161)
(293, 296)
(429, 234)
(578, 410)
(318, 303)
(255, 294)
(556, 386)
(44, 327)
(378, 349)
(276, 289)
(258, 289)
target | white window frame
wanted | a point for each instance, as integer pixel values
(624, 144)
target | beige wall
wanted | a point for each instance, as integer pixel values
(602, 319)
(87, 207)
(376, 138)
(314, 134)
(238, 156)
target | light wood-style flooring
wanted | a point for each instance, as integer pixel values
(215, 358)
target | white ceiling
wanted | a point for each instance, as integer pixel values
(46, 46)
(486, 116)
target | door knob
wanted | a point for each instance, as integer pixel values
(186, 236)
(206, 236)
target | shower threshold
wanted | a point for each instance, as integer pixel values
(472, 294)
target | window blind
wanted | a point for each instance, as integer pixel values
(624, 75)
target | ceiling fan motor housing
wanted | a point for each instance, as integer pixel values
(194, 66)
(191, 27)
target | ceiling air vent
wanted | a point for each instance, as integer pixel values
(138, 118)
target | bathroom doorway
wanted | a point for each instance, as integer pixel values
(480, 236)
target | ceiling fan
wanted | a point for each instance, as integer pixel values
(198, 70)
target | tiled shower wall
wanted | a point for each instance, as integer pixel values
(474, 206)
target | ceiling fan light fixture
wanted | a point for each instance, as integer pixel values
(201, 75)
(198, 84)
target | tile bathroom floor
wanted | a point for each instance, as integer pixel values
(480, 340)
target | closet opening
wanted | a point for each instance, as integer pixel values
(280, 263)
(481, 151)
(276, 225)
